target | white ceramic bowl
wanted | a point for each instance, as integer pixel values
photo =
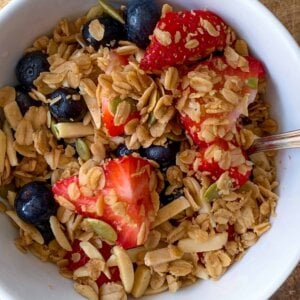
(269, 262)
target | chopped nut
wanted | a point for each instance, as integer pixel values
(86, 291)
(163, 255)
(214, 242)
(171, 210)
(125, 267)
(142, 278)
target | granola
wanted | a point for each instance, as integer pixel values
(203, 211)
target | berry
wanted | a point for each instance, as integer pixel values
(122, 150)
(165, 156)
(103, 31)
(69, 107)
(35, 203)
(184, 37)
(46, 231)
(24, 100)
(142, 16)
(166, 199)
(30, 66)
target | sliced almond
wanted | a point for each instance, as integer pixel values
(3, 143)
(7, 95)
(134, 253)
(142, 278)
(163, 255)
(11, 151)
(90, 250)
(13, 114)
(31, 230)
(112, 261)
(125, 267)
(86, 291)
(171, 210)
(59, 234)
(72, 130)
(94, 109)
(213, 243)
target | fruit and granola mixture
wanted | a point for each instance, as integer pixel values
(123, 154)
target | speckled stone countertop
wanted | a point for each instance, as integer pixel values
(288, 12)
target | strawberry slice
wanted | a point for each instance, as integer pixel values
(186, 36)
(128, 178)
(218, 91)
(128, 203)
(213, 162)
(83, 259)
(109, 109)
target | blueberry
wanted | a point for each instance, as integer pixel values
(113, 32)
(35, 203)
(122, 150)
(24, 100)
(165, 156)
(142, 16)
(166, 199)
(69, 107)
(46, 231)
(30, 66)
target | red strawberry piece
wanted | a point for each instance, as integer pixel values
(114, 276)
(231, 232)
(70, 256)
(128, 178)
(214, 168)
(185, 36)
(219, 73)
(74, 263)
(108, 118)
(84, 205)
(127, 202)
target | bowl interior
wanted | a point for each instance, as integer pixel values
(265, 265)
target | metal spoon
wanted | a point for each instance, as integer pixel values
(279, 141)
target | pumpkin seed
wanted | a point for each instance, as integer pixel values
(102, 229)
(111, 11)
(82, 149)
(211, 193)
(114, 103)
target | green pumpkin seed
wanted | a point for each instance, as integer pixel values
(211, 193)
(102, 229)
(252, 82)
(114, 103)
(82, 149)
(111, 11)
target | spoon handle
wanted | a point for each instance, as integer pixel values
(285, 140)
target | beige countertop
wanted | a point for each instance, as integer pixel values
(288, 12)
